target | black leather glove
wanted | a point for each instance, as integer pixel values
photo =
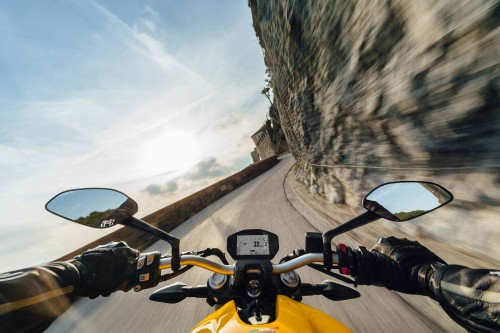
(107, 268)
(394, 263)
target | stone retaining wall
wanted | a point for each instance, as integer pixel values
(375, 91)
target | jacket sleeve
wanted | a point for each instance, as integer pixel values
(471, 297)
(31, 299)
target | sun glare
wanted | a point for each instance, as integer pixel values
(170, 151)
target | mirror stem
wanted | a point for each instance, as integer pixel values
(356, 222)
(151, 230)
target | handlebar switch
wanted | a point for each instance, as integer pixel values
(346, 259)
(147, 270)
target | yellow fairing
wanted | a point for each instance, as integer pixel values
(292, 317)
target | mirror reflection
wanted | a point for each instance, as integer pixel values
(402, 201)
(97, 208)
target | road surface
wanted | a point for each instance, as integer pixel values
(263, 204)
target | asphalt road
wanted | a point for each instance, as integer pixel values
(262, 204)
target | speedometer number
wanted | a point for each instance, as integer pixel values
(252, 245)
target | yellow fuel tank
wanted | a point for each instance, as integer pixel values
(291, 317)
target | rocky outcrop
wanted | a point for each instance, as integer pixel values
(376, 91)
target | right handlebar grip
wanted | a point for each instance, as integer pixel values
(365, 268)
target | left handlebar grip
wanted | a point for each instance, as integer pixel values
(146, 271)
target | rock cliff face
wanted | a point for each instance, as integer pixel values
(376, 91)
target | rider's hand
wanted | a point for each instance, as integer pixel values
(107, 268)
(397, 263)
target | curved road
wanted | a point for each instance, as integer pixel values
(262, 203)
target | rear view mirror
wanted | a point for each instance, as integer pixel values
(402, 201)
(93, 207)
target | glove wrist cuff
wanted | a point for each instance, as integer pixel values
(426, 277)
(81, 273)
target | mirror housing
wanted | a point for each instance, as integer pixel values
(406, 200)
(103, 208)
(409, 199)
(93, 207)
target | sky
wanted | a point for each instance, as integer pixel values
(157, 99)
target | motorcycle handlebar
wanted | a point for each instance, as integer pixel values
(200, 262)
(210, 265)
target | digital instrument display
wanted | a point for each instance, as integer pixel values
(252, 245)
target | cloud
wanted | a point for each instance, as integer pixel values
(207, 169)
(107, 108)
(154, 189)
(169, 188)
(172, 186)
